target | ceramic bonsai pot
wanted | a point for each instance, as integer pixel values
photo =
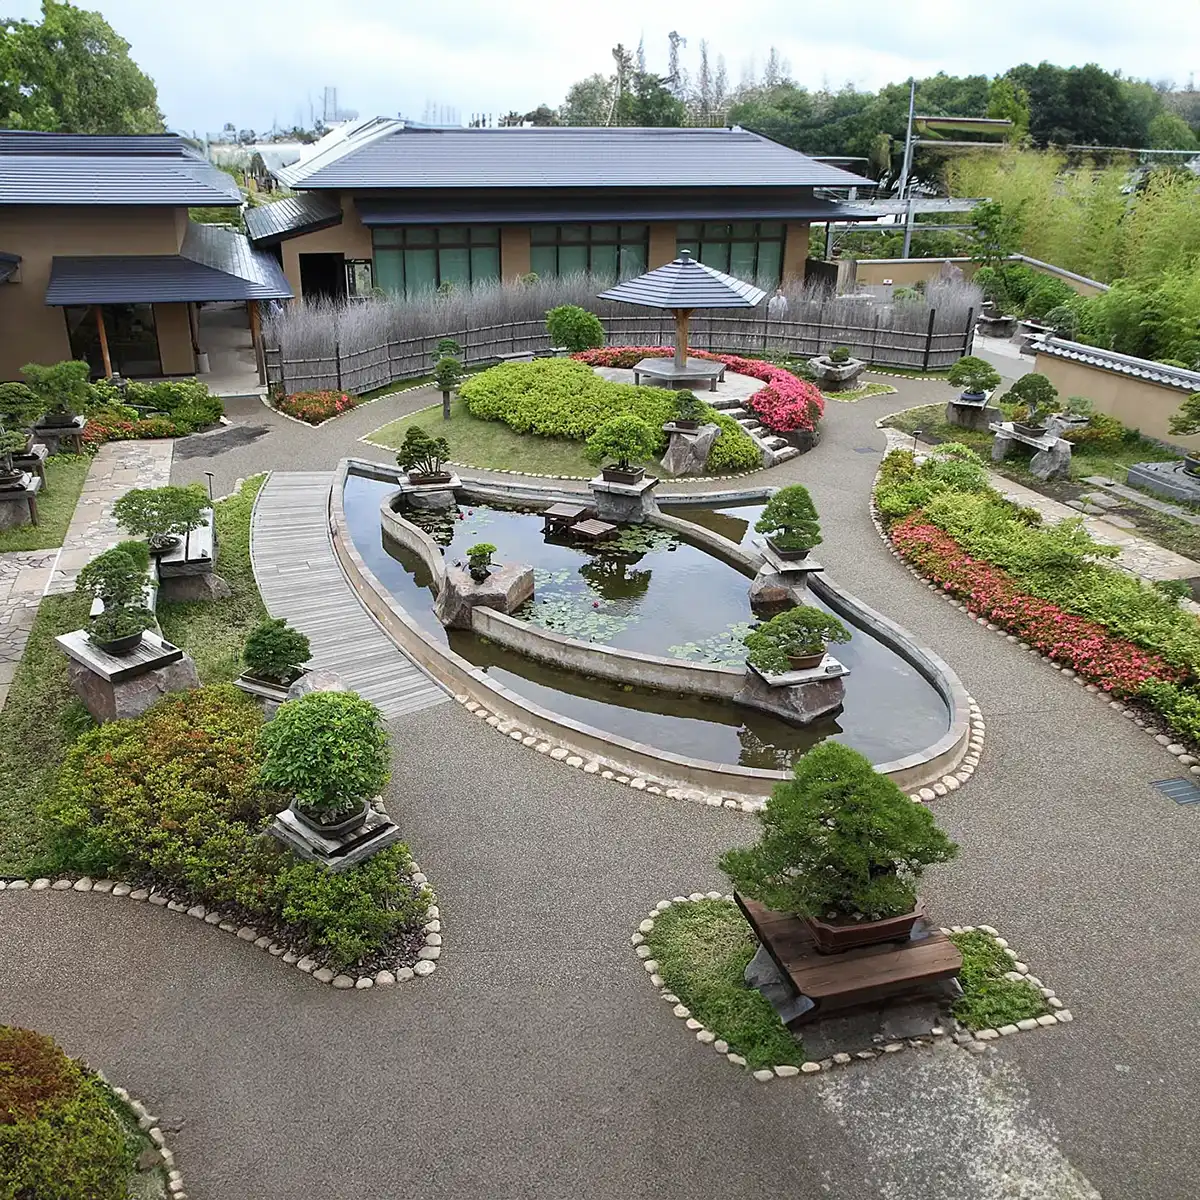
(1191, 464)
(435, 477)
(804, 662)
(267, 689)
(119, 646)
(1035, 431)
(681, 423)
(618, 475)
(832, 937)
(57, 418)
(787, 555)
(972, 398)
(334, 829)
(163, 543)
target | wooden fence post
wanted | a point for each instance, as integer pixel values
(928, 339)
(337, 360)
(967, 338)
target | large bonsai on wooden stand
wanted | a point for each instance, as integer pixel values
(842, 848)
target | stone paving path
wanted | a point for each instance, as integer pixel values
(538, 1062)
(24, 575)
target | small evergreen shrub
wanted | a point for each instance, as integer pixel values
(688, 407)
(19, 406)
(839, 355)
(575, 328)
(61, 389)
(838, 838)
(420, 454)
(790, 519)
(1186, 421)
(973, 374)
(163, 514)
(1065, 321)
(275, 651)
(1036, 394)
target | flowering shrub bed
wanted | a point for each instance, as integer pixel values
(315, 407)
(113, 424)
(1110, 662)
(787, 404)
(558, 397)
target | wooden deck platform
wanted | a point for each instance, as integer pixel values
(593, 530)
(836, 982)
(300, 579)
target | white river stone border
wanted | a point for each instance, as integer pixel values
(975, 1041)
(148, 1124)
(427, 956)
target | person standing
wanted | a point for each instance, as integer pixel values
(777, 306)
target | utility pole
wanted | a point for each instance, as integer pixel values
(907, 167)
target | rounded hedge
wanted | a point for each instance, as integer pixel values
(60, 1135)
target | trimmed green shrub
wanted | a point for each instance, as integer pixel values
(275, 651)
(19, 406)
(188, 402)
(789, 519)
(689, 407)
(1064, 318)
(1035, 393)
(60, 388)
(1101, 433)
(562, 397)
(838, 838)
(1046, 293)
(162, 514)
(625, 438)
(575, 328)
(799, 631)
(1179, 705)
(839, 354)
(60, 1135)
(117, 577)
(328, 751)
(973, 374)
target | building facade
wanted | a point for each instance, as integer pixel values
(386, 205)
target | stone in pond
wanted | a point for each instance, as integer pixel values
(505, 589)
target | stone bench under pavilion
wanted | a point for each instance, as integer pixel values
(663, 372)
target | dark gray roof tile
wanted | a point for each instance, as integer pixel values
(292, 216)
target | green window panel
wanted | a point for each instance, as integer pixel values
(543, 261)
(420, 271)
(389, 269)
(770, 264)
(485, 264)
(604, 261)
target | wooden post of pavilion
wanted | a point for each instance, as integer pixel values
(104, 355)
(256, 340)
(682, 316)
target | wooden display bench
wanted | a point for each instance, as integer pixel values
(836, 983)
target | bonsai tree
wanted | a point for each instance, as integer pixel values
(118, 579)
(974, 375)
(625, 438)
(329, 751)
(10, 444)
(275, 651)
(1036, 394)
(62, 390)
(447, 375)
(20, 407)
(1064, 320)
(161, 515)
(688, 407)
(790, 520)
(447, 347)
(839, 354)
(575, 328)
(479, 558)
(1186, 421)
(838, 839)
(796, 633)
(420, 454)
(1078, 406)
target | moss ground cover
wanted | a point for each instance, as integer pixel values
(860, 393)
(65, 474)
(989, 999)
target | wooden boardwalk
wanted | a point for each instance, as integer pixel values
(300, 579)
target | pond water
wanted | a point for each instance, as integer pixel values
(655, 593)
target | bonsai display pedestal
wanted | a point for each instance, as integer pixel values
(430, 495)
(18, 503)
(799, 697)
(972, 414)
(1052, 457)
(185, 572)
(505, 589)
(781, 583)
(336, 853)
(687, 450)
(113, 687)
(624, 503)
(33, 460)
(53, 436)
(1167, 479)
(835, 983)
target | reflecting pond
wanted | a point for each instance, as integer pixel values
(656, 593)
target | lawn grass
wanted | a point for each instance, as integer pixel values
(989, 1000)
(492, 444)
(37, 725)
(65, 474)
(702, 951)
(860, 393)
(213, 633)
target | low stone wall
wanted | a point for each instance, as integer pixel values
(413, 539)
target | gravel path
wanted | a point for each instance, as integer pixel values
(538, 1061)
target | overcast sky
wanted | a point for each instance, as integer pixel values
(255, 61)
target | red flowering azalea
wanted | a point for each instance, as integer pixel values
(1112, 663)
(315, 407)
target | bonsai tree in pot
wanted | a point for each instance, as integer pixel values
(838, 368)
(275, 653)
(329, 752)
(625, 438)
(575, 328)
(975, 376)
(447, 372)
(1035, 398)
(422, 456)
(163, 516)
(117, 578)
(479, 560)
(793, 641)
(790, 522)
(19, 409)
(1186, 423)
(843, 849)
(62, 390)
(690, 411)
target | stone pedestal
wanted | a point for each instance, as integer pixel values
(687, 451)
(836, 377)
(969, 415)
(1167, 479)
(624, 503)
(781, 583)
(1052, 454)
(430, 495)
(18, 502)
(504, 590)
(797, 696)
(113, 688)
(334, 853)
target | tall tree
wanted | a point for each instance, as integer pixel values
(71, 73)
(652, 102)
(588, 101)
(1009, 101)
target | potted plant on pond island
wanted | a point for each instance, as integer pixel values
(163, 516)
(118, 579)
(329, 752)
(627, 439)
(795, 640)
(274, 655)
(842, 849)
(422, 456)
(790, 522)
(479, 560)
